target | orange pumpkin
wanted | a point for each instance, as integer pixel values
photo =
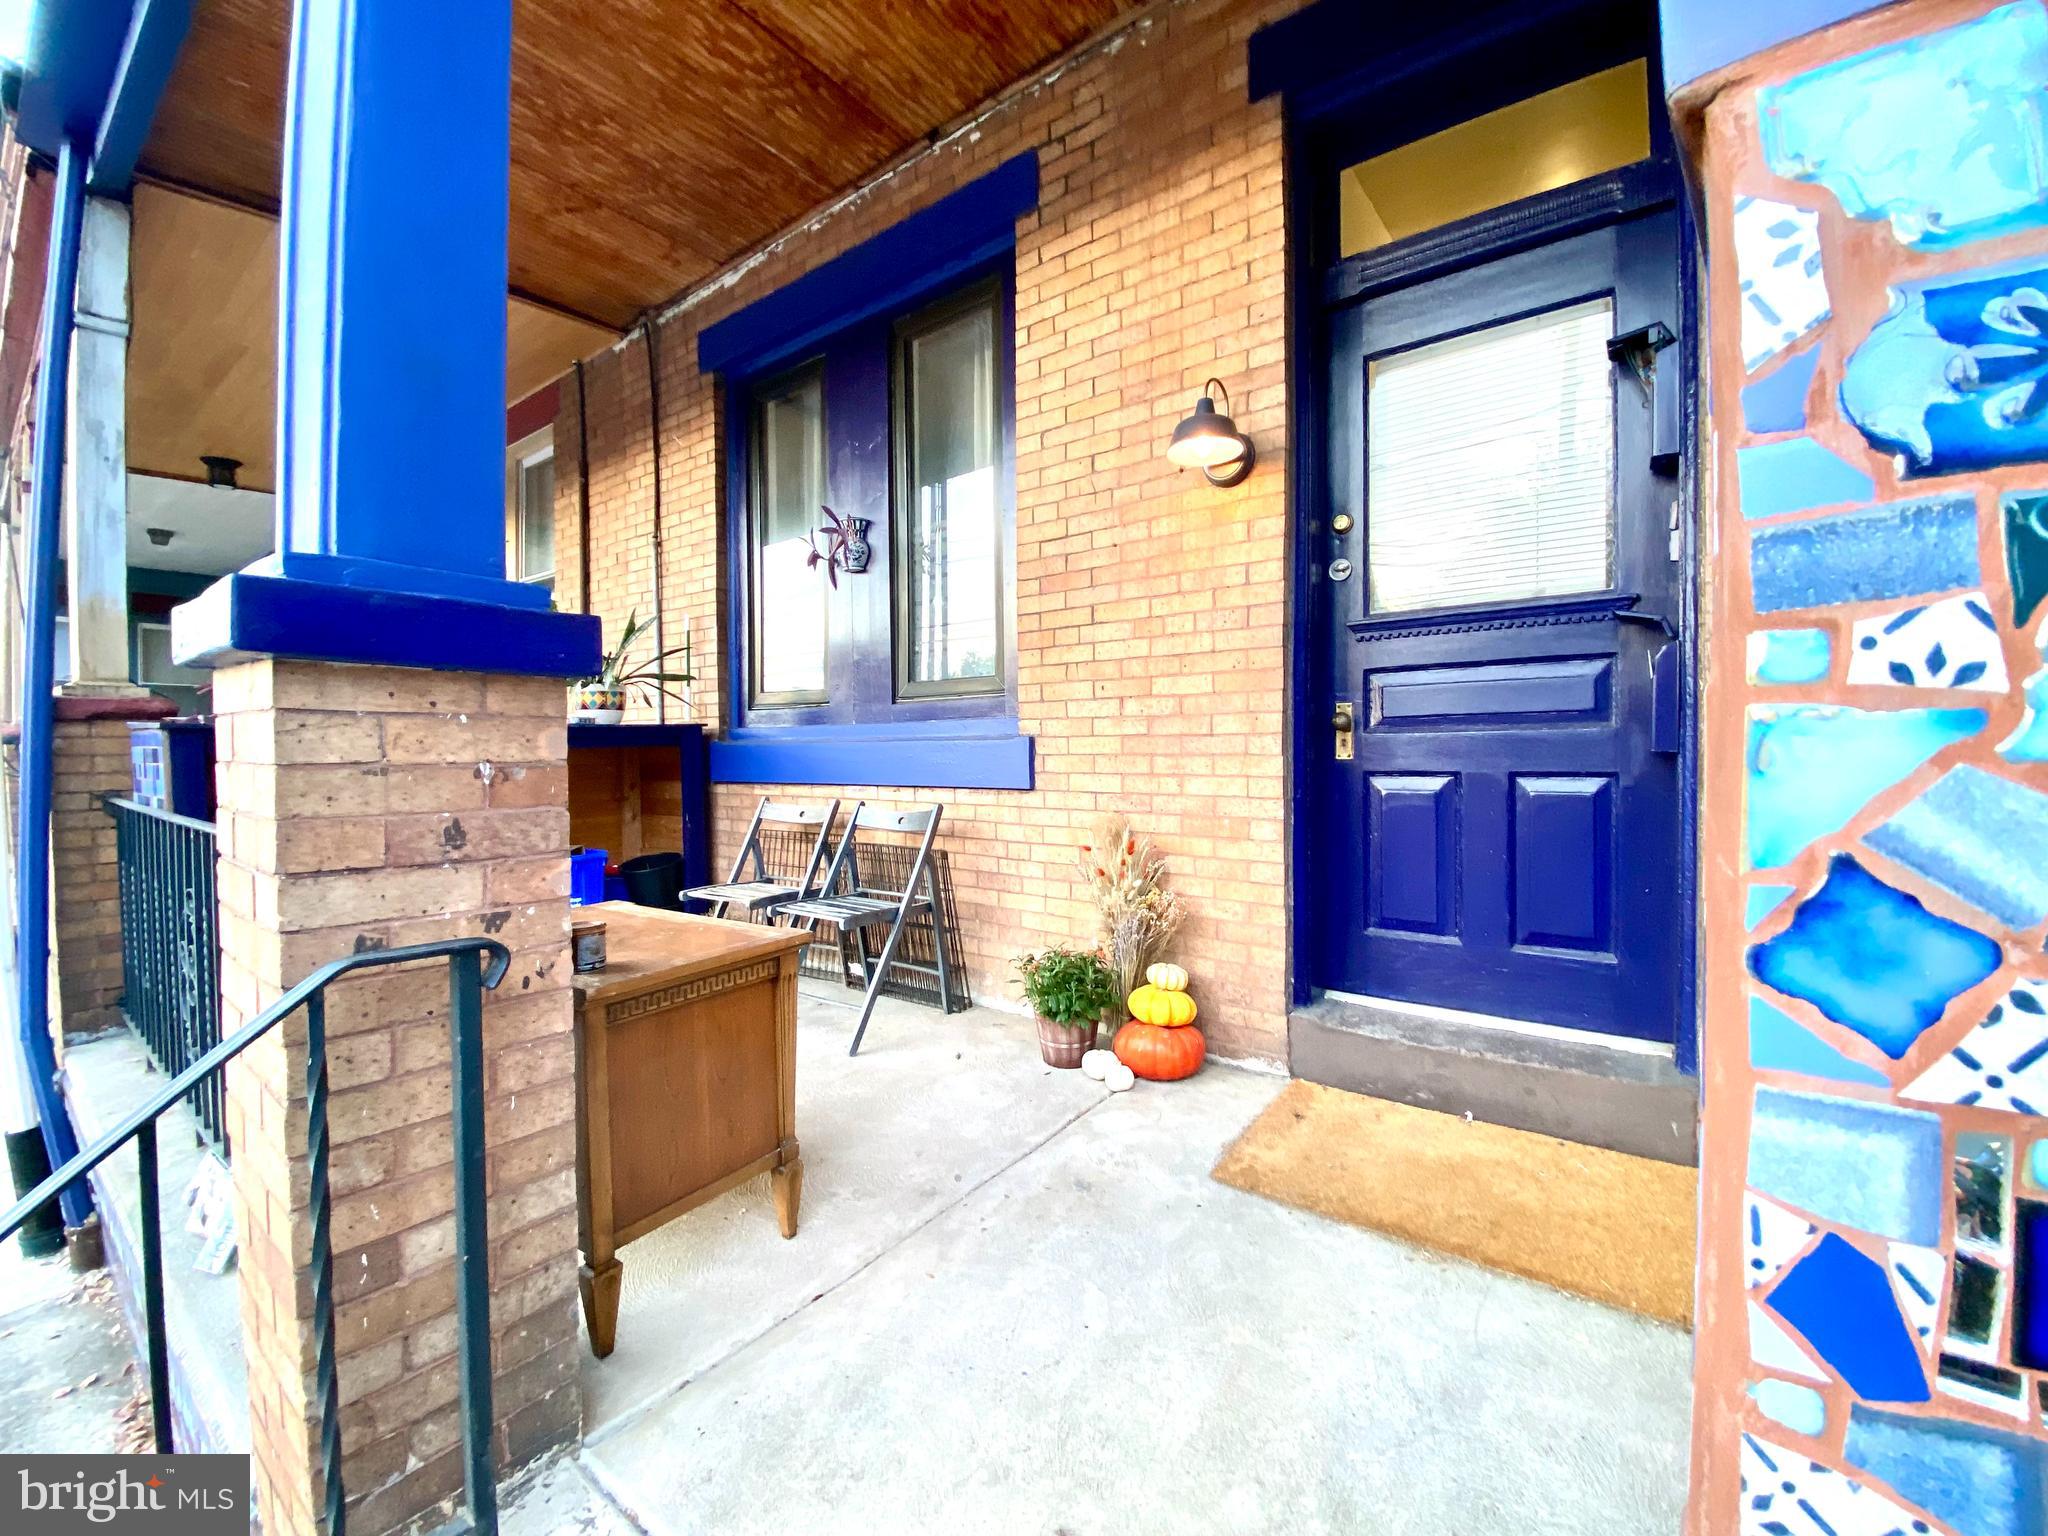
(1162, 1053)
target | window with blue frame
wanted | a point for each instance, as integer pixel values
(870, 409)
(900, 428)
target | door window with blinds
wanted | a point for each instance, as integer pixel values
(1490, 464)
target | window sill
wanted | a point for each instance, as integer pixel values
(938, 754)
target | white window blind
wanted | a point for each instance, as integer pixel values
(1490, 464)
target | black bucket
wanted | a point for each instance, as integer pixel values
(654, 880)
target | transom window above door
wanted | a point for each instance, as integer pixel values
(1550, 140)
(1489, 470)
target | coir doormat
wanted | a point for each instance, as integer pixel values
(1600, 1224)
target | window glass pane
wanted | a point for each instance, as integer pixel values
(153, 662)
(1490, 464)
(950, 517)
(537, 518)
(789, 480)
(1549, 141)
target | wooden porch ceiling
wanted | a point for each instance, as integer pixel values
(652, 140)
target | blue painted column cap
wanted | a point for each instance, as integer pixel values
(255, 613)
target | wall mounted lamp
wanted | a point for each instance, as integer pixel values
(1209, 441)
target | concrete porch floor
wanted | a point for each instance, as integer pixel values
(1018, 1304)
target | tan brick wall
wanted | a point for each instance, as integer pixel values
(89, 760)
(1151, 607)
(369, 807)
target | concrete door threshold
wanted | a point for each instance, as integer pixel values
(1562, 1083)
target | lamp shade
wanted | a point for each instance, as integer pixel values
(1205, 439)
(1209, 441)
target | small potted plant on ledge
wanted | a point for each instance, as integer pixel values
(1070, 990)
(601, 698)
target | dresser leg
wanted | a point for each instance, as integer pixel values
(601, 1288)
(788, 1185)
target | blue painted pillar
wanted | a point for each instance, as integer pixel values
(391, 359)
(38, 703)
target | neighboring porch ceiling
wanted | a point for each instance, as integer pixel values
(202, 352)
(652, 140)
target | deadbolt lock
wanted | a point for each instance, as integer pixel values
(1340, 722)
(1341, 523)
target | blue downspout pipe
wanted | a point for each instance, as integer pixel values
(38, 704)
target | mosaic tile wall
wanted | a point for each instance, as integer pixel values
(1874, 1334)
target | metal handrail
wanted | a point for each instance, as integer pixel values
(467, 979)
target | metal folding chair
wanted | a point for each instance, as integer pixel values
(861, 907)
(763, 892)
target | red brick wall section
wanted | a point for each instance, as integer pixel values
(1151, 606)
(89, 760)
(365, 806)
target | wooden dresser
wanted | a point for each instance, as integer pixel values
(685, 1081)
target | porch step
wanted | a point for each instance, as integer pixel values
(1562, 1083)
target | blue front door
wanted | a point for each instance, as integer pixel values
(1496, 581)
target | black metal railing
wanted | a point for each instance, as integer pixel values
(170, 945)
(467, 977)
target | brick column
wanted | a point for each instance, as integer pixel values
(364, 807)
(90, 761)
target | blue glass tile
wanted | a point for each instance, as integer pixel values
(1840, 1301)
(1796, 475)
(1901, 549)
(1800, 1409)
(1873, 959)
(1814, 766)
(2029, 744)
(2037, 1164)
(2030, 1287)
(1780, 1043)
(1863, 1165)
(1982, 837)
(1789, 655)
(2026, 552)
(1777, 402)
(1954, 378)
(1763, 901)
(1981, 1481)
(1941, 134)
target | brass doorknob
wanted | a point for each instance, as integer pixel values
(1340, 718)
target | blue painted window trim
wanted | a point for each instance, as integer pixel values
(846, 310)
(951, 754)
(918, 255)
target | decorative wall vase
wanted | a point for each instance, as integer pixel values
(858, 550)
(1941, 135)
(1955, 377)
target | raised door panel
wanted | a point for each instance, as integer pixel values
(1563, 858)
(1412, 854)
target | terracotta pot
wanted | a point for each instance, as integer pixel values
(1063, 1045)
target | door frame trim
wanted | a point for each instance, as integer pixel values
(1310, 163)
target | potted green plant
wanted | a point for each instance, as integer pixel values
(602, 697)
(1069, 990)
